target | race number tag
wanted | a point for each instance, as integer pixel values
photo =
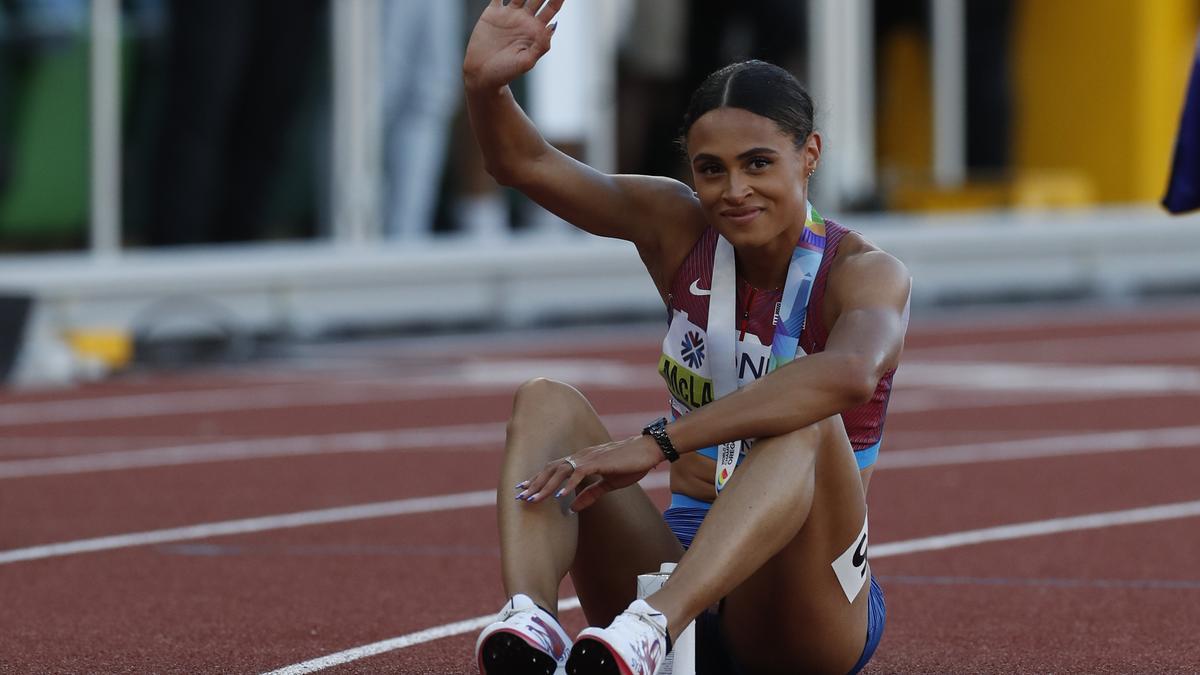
(851, 566)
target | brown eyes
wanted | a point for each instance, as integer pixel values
(754, 164)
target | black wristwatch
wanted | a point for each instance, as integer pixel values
(658, 431)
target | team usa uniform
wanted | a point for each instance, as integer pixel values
(528, 639)
(684, 365)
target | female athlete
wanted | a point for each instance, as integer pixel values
(785, 330)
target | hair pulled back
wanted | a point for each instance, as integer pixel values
(757, 86)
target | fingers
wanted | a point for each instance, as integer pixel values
(590, 494)
(549, 10)
(532, 6)
(545, 483)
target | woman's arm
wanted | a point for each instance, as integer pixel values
(657, 214)
(870, 292)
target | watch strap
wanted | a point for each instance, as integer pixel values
(658, 431)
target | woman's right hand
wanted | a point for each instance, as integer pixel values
(507, 41)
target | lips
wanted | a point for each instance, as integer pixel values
(741, 216)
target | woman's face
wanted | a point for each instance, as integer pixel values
(749, 175)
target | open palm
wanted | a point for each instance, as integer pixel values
(508, 40)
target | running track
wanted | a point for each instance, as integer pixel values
(333, 509)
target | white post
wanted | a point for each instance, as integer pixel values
(105, 84)
(842, 79)
(572, 90)
(602, 130)
(357, 121)
(949, 93)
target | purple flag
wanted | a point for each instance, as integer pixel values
(1183, 190)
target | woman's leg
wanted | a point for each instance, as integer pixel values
(767, 547)
(606, 546)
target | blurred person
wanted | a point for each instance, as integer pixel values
(422, 46)
(560, 96)
(5, 95)
(27, 26)
(720, 31)
(989, 85)
(651, 70)
(752, 278)
(1183, 188)
(43, 46)
(237, 74)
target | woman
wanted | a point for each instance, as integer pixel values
(781, 552)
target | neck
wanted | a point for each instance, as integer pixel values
(765, 267)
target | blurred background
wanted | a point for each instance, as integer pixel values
(192, 179)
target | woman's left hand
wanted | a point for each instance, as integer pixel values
(616, 464)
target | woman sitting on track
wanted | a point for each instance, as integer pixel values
(782, 549)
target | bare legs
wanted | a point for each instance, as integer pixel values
(605, 547)
(766, 546)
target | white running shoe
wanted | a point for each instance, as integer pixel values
(635, 644)
(524, 640)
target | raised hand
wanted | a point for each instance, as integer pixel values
(509, 38)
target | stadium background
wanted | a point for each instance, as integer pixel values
(212, 317)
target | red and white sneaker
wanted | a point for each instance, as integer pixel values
(635, 644)
(524, 640)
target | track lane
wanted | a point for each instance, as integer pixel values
(189, 592)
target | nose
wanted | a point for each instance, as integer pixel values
(737, 190)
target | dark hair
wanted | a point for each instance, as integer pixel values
(759, 87)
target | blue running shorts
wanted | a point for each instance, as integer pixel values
(713, 656)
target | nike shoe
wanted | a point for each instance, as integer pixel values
(524, 640)
(635, 644)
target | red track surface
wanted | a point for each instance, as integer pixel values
(1119, 598)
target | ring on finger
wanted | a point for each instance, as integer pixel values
(574, 466)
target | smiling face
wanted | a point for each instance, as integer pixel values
(750, 177)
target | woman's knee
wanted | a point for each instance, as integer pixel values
(542, 406)
(813, 437)
(542, 397)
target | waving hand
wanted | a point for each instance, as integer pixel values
(508, 40)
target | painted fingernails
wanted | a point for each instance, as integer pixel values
(560, 493)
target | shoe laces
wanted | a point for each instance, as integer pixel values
(632, 623)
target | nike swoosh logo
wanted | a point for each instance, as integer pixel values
(696, 290)
(860, 555)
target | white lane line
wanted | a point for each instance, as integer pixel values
(138, 406)
(344, 514)
(1052, 446)
(410, 640)
(1050, 377)
(1069, 382)
(1038, 528)
(940, 542)
(462, 435)
(465, 379)
(491, 435)
(470, 435)
(1177, 345)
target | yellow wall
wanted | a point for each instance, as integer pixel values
(1099, 86)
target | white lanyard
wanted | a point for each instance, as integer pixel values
(789, 321)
